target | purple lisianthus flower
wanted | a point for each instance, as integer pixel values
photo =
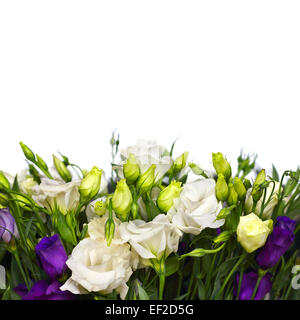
(52, 256)
(8, 227)
(248, 285)
(43, 290)
(278, 242)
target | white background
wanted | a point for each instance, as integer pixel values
(221, 75)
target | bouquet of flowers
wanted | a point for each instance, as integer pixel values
(160, 227)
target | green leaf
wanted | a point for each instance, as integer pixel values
(141, 291)
(64, 230)
(275, 174)
(172, 265)
(201, 290)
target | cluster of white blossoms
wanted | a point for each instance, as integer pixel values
(137, 243)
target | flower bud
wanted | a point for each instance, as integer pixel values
(41, 163)
(222, 237)
(252, 232)
(146, 180)
(225, 212)
(3, 181)
(90, 184)
(240, 188)
(221, 165)
(222, 190)
(257, 189)
(232, 195)
(131, 169)
(247, 184)
(167, 195)
(122, 199)
(27, 152)
(180, 162)
(134, 210)
(62, 169)
(109, 231)
(100, 208)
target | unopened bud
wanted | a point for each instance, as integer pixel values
(62, 169)
(100, 208)
(41, 163)
(134, 210)
(109, 231)
(240, 188)
(232, 195)
(167, 195)
(221, 165)
(131, 169)
(180, 162)
(90, 184)
(146, 180)
(222, 190)
(257, 189)
(27, 152)
(122, 199)
(225, 212)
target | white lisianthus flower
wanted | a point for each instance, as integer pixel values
(268, 210)
(197, 207)
(147, 152)
(26, 182)
(98, 268)
(151, 240)
(51, 192)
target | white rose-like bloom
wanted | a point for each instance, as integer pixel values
(50, 192)
(151, 240)
(268, 210)
(197, 207)
(97, 267)
(147, 152)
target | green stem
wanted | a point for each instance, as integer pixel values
(16, 255)
(256, 287)
(162, 278)
(242, 257)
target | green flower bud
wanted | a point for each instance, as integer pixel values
(257, 189)
(221, 165)
(35, 174)
(146, 180)
(131, 169)
(90, 184)
(180, 162)
(225, 212)
(122, 199)
(222, 237)
(109, 231)
(232, 195)
(240, 188)
(3, 181)
(62, 169)
(222, 190)
(41, 163)
(100, 208)
(167, 195)
(27, 152)
(247, 184)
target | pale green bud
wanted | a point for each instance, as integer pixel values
(180, 162)
(109, 231)
(41, 162)
(167, 195)
(232, 195)
(3, 181)
(131, 169)
(134, 210)
(27, 152)
(62, 169)
(146, 180)
(257, 189)
(225, 212)
(122, 199)
(100, 208)
(221, 165)
(222, 190)
(240, 188)
(90, 184)
(222, 237)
